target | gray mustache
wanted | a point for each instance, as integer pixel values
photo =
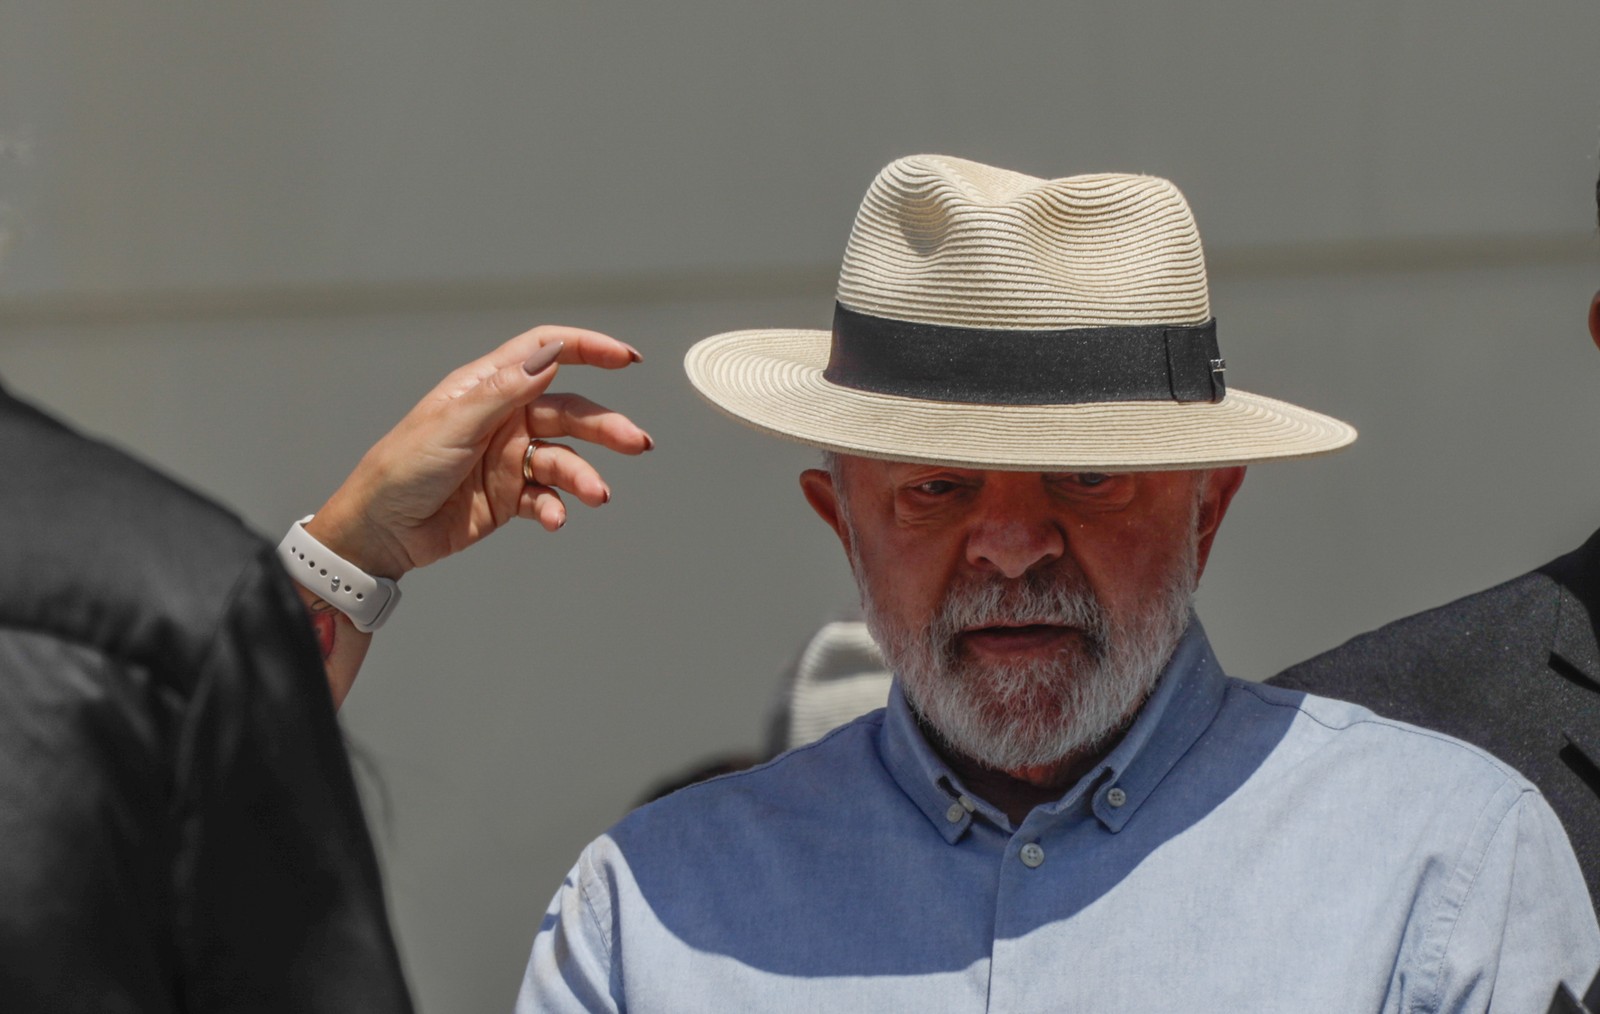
(1053, 602)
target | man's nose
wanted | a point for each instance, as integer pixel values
(1012, 542)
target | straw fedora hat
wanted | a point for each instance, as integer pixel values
(989, 319)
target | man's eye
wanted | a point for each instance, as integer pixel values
(1082, 480)
(935, 487)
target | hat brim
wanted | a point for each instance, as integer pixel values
(772, 381)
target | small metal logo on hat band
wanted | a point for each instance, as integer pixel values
(1219, 366)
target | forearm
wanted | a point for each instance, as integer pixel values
(342, 646)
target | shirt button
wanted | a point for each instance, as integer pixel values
(955, 813)
(1032, 855)
(1116, 797)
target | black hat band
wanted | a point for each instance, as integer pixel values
(982, 366)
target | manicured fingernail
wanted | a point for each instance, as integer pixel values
(541, 360)
(633, 353)
(649, 444)
(607, 497)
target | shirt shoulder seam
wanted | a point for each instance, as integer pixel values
(587, 875)
(1401, 728)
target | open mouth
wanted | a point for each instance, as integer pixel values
(1025, 638)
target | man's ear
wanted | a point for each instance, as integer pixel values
(1221, 485)
(817, 485)
(1594, 318)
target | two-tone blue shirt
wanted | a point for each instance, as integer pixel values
(1242, 848)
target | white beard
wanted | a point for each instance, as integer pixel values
(1034, 713)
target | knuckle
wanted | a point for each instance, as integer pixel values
(499, 384)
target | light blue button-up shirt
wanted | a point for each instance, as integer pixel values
(1243, 848)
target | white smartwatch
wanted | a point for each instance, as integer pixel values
(367, 600)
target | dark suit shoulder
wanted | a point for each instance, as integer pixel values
(1476, 668)
(1479, 637)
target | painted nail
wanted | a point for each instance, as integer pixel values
(633, 353)
(607, 497)
(542, 359)
(649, 444)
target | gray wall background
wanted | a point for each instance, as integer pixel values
(246, 237)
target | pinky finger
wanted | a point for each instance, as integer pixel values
(542, 504)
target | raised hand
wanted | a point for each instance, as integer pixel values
(452, 470)
(469, 457)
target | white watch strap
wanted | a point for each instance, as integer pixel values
(367, 600)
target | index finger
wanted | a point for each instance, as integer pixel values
(580, 347)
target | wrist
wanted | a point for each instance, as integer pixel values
(367, 599)
(359, 541)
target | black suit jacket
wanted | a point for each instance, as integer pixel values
(1515, 670)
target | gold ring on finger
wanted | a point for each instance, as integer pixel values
(527, 462)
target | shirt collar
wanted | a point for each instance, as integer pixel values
(1186, 699)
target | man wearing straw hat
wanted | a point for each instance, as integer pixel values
(1066, 804)
(1029, 449)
